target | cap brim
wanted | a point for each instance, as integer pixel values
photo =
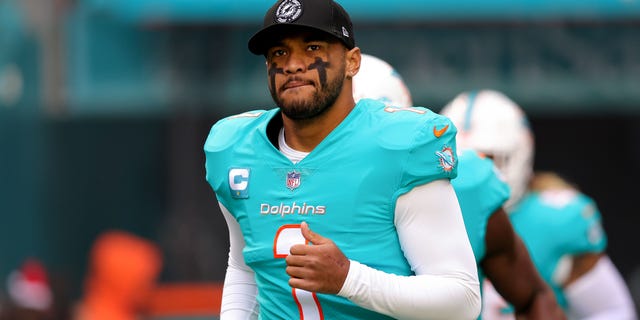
(265, 38)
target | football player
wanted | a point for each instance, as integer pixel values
(560, 226)
(336, 210)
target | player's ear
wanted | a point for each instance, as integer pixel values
(353, 58)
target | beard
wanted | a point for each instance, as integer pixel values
(322, 100)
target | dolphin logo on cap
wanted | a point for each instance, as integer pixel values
(288, 11)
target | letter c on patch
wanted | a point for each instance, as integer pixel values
(239, 182)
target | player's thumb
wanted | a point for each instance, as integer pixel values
(310, 235)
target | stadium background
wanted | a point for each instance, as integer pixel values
(105, 105)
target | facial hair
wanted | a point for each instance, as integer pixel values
(322, 100)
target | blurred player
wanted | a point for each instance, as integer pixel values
(499, 252)
(560, 226)
(336, 210)
(378, 80)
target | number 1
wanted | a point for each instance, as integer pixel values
(308, 303)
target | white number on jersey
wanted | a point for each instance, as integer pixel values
(308, 304)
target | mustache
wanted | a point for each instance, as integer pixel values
(295, 79)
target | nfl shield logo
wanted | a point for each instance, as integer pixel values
(293, 180)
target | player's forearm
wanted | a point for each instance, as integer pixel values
(240, 289)
(543, 306)
(434, 240)
(531, 297)
(450, 296)
(239, 295)
(433, 237)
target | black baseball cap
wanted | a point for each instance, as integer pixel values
(321, 15)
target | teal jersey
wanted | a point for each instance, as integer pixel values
(480, 192)
(556, 223)
(346, 189)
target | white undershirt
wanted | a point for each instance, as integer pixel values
(294, 155)
(434, 240)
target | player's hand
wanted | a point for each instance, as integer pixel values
(317, 267)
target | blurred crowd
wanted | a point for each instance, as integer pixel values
(119, 283)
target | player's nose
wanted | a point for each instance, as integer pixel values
(295, 62)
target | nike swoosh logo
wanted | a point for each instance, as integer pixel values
(439, 133)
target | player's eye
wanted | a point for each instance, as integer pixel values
(313, 47)
(275, 52)
(278, 53)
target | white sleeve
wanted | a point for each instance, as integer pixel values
(240, 288)
(434, 240)
(600, 294)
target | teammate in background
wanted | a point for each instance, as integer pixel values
(378, 80)
(560, 226)
(336, 210)
(500, 253)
